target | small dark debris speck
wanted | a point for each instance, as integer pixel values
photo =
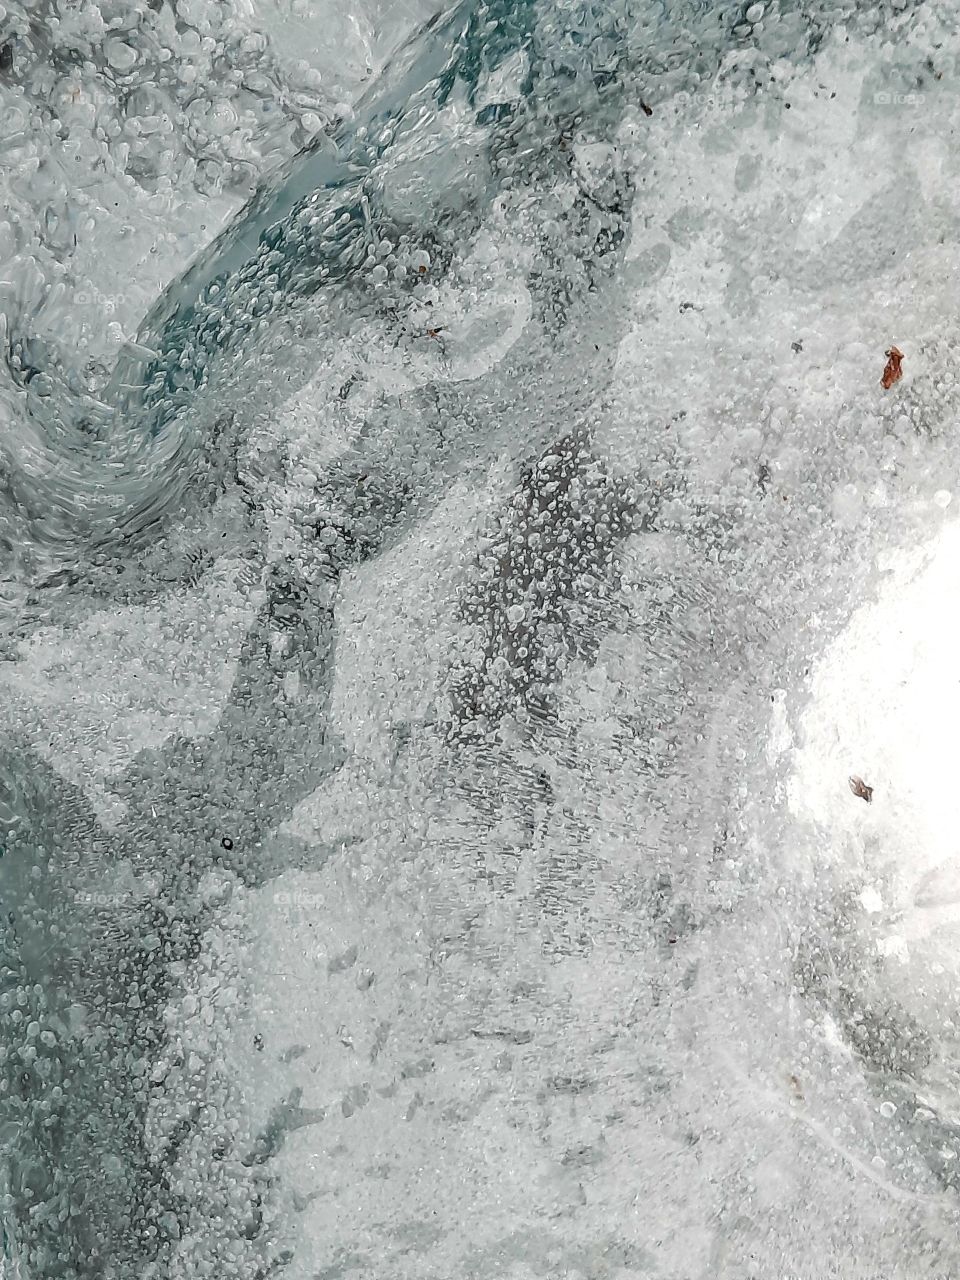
(647, 110)
(860, 788)
(893, 370)
(796, 346)
(6, 57)
(226, 842)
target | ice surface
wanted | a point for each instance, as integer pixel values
(480, 737)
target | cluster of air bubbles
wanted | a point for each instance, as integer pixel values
(117, 118)
(398, 261)
(184, 92)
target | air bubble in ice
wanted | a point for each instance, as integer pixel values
(120, 55)
(8, 241)
(221, 118)
(871, 900)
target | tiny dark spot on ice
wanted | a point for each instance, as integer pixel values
(860, 788)
(6, 57)
(797, 346)
(580, 1156)
(258, 1042)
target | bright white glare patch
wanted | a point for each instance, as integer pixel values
(885, 707)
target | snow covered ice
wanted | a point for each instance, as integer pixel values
(442, 606)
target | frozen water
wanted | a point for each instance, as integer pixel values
(435, 660)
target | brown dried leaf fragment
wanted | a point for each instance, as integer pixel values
(893, 372)
(860, 788)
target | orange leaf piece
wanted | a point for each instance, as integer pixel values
(893, 372)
